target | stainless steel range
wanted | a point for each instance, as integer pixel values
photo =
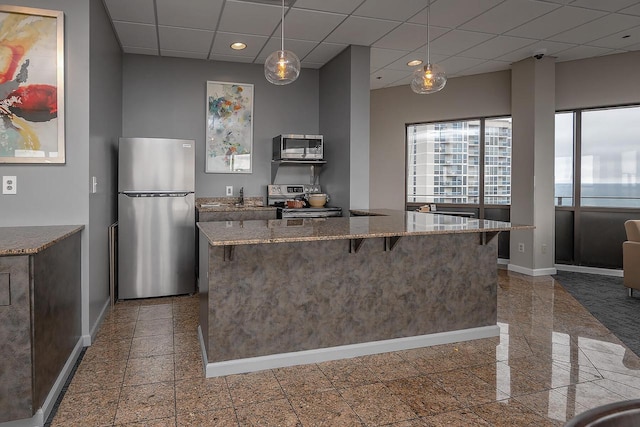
(279, 194)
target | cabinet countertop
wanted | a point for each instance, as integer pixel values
(24, 240)
(228, 204)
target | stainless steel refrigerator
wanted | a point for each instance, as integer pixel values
(156, 217)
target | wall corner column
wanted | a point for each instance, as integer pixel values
(532, 168)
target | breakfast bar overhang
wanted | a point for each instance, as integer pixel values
(277, 293)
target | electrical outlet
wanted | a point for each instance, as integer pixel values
(544, 248)
(9, 185)
(520, 247)
(229, 190)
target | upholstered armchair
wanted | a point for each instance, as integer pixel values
(631, 256)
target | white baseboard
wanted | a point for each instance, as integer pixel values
(41, 415)
(282, 360)
(531, 272)
(89, 339)
(590, 270)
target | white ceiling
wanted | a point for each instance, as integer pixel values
(467, 36)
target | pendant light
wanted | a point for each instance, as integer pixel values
(282, 66)
(430, 78)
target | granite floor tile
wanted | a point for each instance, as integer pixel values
(95, 408)
(107, 350)
(423, 396)
(271, 413)
(116, 331)
(326, 408)
(389, 366)
(202, 394)
(460, 418)
(255, 387)
(165, 422)
(99, 375)
(303, 379)
(347, 373)
(147, 370)
(186, 325)
(552, 404)
(155, 345)
(121, 314)
(188, 365)
(158, 311)
(147, 402)
(376, 405)
(145, 328)
(510, 381)
(217, 418)
(467, 388)
(186, 342)
(511, 413)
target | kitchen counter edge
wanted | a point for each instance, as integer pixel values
(28, 240)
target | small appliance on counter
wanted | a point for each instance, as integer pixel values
(281, 196)
(298, 147)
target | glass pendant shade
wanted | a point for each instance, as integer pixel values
(282, 67)
(428, 79)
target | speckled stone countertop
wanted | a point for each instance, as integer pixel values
(228, 204)
(31, 240)
(383, 223)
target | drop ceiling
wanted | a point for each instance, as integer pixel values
(467, 36)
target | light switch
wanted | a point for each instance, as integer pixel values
(9, 185)
(94, 185)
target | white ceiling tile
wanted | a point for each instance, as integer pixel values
(200, 14)
(401, 64)
(222, 43)
(632, 10)
(360, 31)
(621, 40)
(456, 41)
(394, 10)
(508, 15)
(231, 58)
(598, 29)
(301, 24)
(633, 47)
(381, 57)
(495, 47)
(339, 6)
(324, 52)
(185, 39)
(555, 22)
(550, 48)
(137, 35)
(181, 54)
(250, 18)
(608, 5)
(408, 37)
(140, 50)
(386, 77)
(300, 47)
(453, 13)
(581, 52)
(456, 64)
(486, 67)
(140, 11)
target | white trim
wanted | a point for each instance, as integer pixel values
(41, 415)
(532, 272)
(89, 339)
(503, 262)
(282, 360)
(590, 270)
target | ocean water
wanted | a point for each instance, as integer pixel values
(602, 195)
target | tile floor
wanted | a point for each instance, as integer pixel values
(552, 361)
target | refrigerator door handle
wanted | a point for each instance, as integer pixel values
(156, 193)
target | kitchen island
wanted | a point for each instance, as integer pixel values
(295, 291)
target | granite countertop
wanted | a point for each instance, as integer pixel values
(31, 240)
(228, 204)
(382, 223)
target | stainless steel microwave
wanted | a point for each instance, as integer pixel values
(298, 147)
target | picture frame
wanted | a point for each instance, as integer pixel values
(229, 127)
(31, 86)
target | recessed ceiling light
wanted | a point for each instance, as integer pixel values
(238, 46)
(414, 62)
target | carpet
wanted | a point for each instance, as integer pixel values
(607, 299)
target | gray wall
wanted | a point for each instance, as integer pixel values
(165, 97)
(360, 116)
(391, 109)
(58, 194)
(105, 125)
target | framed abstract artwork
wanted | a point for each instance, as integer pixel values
(229, 135)
(31, 85)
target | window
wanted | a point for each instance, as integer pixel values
(564, 159)
(444, 162)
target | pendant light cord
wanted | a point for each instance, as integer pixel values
(282, 28)
(428, 45)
